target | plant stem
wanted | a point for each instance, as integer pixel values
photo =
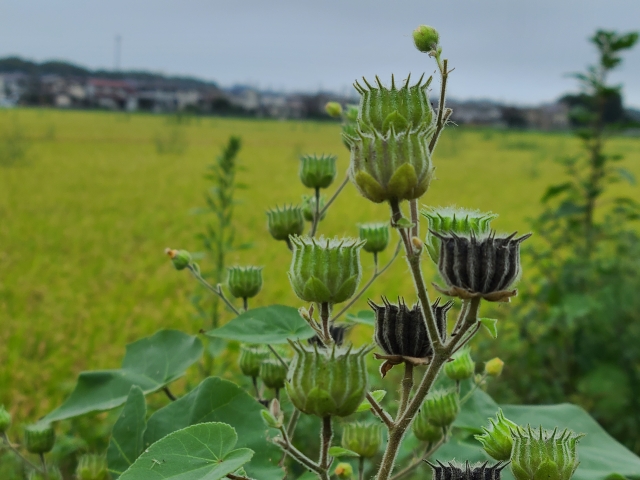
(361, 468)
(444, 74)
(428, 451)
(316, 215)
(255, 386)
(325, 318)
(7, 442)
(293, 421)
(413, 208)
(296, 454)
(44, 466)
(432, 329)
(325, 443)
(217, 290)
(467, 396)
(245, 303)
(280, 359)
(171, 396)
(379, 411)
(396, 216)
(334, 196)
(407, 385)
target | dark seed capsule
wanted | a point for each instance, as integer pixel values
(453, 471)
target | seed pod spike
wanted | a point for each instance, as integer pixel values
(420, 81)
(371, 87)
(406, 85)
(379, 82)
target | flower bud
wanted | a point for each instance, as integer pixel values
(324, 270)
(461, 367)
(426, 38)
(376, 236)
(244, 282)
(273, 373)
(92, 467)
(250, 359)
(317, 172)
(494, 367)
(309, 207)
(364, 439)
(496, 440)
(53, 473)
(269, 419)
(39, 437)
(441, 407)
(344, 471)
(425, 431)
(479, 471)
(333, 109)
(285, 222)
(181, 258)
(326, 381)
(482, 267)
(390, 157)
(453, 220)
(543, 454)
(5, 419)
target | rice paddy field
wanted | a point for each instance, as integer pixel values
(89, 201)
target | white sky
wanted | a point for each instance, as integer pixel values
(516, 51)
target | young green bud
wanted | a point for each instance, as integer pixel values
(53, 473)
(326, 381)
(39, 437)
(364, 439)
(344, 471)
(425, 431)
(250, 359)
(92, 467)
(426, 38)
(496, 440)
(244, 282)
(484, 267)
(466, 471)
(309, 207)
(461, 367)
(273, 373)
(494, 367)
(317, 172)
(441, 407)
(333, 109)
(376, 236)
(181, 259)
(5, 419)
(269, 419)
(542, 454)
(453, 220)
(390, 157)
(285, 222)
(324, 270)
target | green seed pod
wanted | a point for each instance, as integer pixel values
(244, 282)
(376, 236)
(53, 473)
(479, 471)
(364, 439)
(326, 381)
(441, 407)
(5, 419)
(496, 440)
(426, 38)
(309, 207)
(333, 109)
(317, 172)
(250, 359)
(461, 367)
(494, 367)
(285, 222)
(324, 270)
(453, 220)
(390, 158)
(344, 471)
(39, 437)
(425, 431)
(273, 373)
(542, 454)
(92, 467)
(181, 259)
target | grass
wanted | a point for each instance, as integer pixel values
(91, 200)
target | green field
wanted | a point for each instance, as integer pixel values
(88, 207)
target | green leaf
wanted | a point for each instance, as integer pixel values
(217, 400)
(404, 223)
(342, 452)
(378, 395)
(274, 324)
(150, 363)
(363, 317)
(127, 442)
(491, 324)
(199, 452)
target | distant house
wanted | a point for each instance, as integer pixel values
(552, 116)
(110, 94)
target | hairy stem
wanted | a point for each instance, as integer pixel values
(413, 208)
(379, 411)
(444, 74)
(325, 318)
(293, 421)
(316, 214)
(407, 385)
(169, 394)
(361, 468)
(334, 196)
(280, 359)
(325, 444)
(44, 466)
(7, 442)
(245, 303)
(217, 290)
(429, 450)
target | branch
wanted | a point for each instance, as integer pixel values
(280, 359)
(316, 215)
(171, 396)
(407, 385)
(6, 441)
(334, 196)
(379, 411)
(325, 444)
(217, 290)
(444, 74)
(428, 451)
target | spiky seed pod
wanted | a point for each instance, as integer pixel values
(453, 471)
(441, 408)
(244, 282)
(461, 367)
(425, 431)
(250, 359)
(364, 439)
(309, 207)
(494, 367)
(39, 437)
(337, 334)
(317, 172)
(285, 221)
(496, 440)
(181, 259)
(324, 270)
(53, 473)
(445, 220)
(544, 454)
(376, 236)
(484, 267)
(326, 381)
(5, 419)
(273, 373)
(92, 467)
(390, 158)
(333, 109)
(426, 38)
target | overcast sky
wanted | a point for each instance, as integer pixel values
(515, 51)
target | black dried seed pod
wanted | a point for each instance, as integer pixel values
(337, 333)
(453, 471)
(479, 267)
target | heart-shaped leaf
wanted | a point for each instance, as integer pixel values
(127, 442)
